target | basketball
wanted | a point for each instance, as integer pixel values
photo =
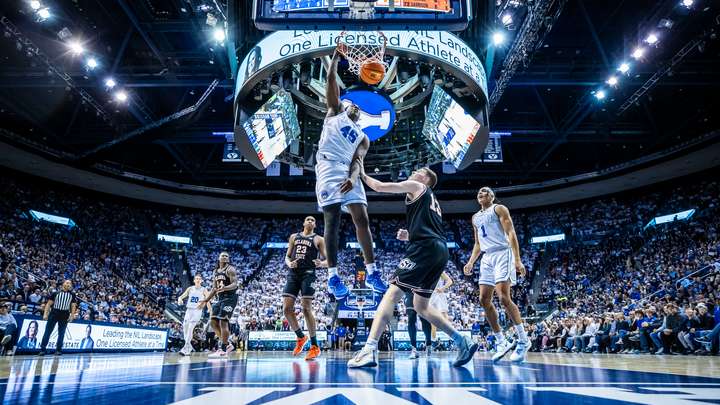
(372, 72)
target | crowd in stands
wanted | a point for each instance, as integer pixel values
(616, 285)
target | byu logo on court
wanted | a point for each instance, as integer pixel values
(407, 264)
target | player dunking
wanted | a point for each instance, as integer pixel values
(341, 150)
(425, 260)
(225, 287)
(193, 314)
(302, 259)
(495, 236)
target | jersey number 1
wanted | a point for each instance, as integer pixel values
(482, 228)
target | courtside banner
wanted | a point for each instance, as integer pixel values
(282, 336)
(93, 337)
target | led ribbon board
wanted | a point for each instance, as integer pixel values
(55, 219)
(174, 239)
(284, 47)
(678, 216)
(549, 238)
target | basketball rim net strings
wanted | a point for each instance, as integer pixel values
(364, 55)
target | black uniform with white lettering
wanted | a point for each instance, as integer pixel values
(227, 300)
(59, 314)
(427, 252)
(300, 279)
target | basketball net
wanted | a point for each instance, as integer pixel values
(362, 9)
(360, 54)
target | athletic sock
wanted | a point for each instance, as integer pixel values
(499, 336)
(299, 333)
(458, 338)
(371, 344)
(520, 330)
(313, 340)
(332, 271)
(370, 267)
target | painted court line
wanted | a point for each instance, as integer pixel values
(259, 384)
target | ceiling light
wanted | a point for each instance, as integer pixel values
(219, 34)
(624, 67)
(498, 38)
(612, 81)
(638, 53)
(121, 96)
(687, 3)
(43, 14)
(600, 94)
(652, 39)
(110, 83)
(35, 4)
(91, 63)
(76, 48)
(506, 19)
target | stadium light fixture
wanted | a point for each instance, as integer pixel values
(624, 67)
(638, 53)
(498, 38)
(652, 39)
(612, 81)
(506, 19)
(76, 48)
(219, 34)
(35, 5)
(600, 94)
(91, 63)
(687, 3)
(110, 83)
(121, 96)
(43, 14)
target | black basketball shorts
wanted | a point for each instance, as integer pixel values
(300, 284)
(224, 307)
(420, 270)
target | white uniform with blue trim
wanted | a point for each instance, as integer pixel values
(439, 299)
(498, 262)
(192, 314)
(339, 140)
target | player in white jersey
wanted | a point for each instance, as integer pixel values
(340, 154)
(439, 299)
(495, 237)
(193, 314)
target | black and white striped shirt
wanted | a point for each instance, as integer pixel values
(62, 300)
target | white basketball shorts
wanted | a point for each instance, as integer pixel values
(498, 266)
(329, 176)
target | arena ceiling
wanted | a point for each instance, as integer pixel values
(163, 54)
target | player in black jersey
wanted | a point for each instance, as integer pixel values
(302, 258)
(420, 270)
(225, 287)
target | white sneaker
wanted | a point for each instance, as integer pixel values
(518, 356)
(413, 355)
(230, 348)
(501, 349)
(363, 358)
(219, 354)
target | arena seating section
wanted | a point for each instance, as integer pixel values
(608, 265)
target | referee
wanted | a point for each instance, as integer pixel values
(60, 309)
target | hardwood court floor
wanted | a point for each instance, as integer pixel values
(277, 378)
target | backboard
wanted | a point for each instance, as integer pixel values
(436, 15)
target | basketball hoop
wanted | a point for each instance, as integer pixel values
(360, 54)
(362, 9)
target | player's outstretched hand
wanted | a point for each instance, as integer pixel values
(179, 301)
(468, 269)
(346, 186)
(403, 235)
(320, 263)
(520, 268)
(340, 50)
